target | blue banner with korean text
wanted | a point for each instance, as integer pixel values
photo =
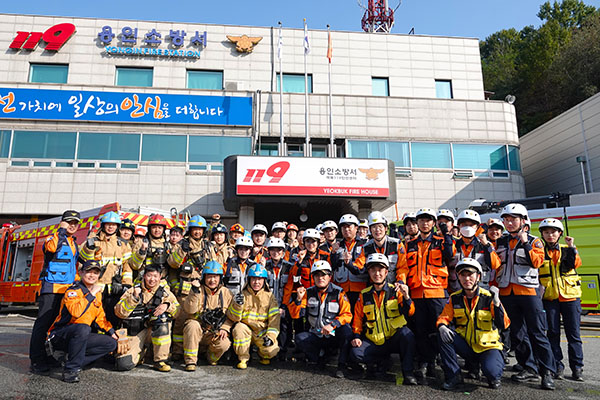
(75, 105)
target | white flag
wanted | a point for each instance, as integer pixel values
(280, 45)
(306, 43)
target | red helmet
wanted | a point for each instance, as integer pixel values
(237, 228)
(157, 219)
(292, 227)
(140, 231)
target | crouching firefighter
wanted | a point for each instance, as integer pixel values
(206, 325)
(187, 260)
(327, 311)
(147, 310)
(256, 313)
(469, 325)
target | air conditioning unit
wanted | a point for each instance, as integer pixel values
(403, 173)
(234, 86)
(463, 173)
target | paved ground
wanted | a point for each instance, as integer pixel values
(281, 381)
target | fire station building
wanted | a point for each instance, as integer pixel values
(163, 115)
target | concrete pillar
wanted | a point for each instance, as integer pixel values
(247, 216)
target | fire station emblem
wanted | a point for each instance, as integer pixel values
(372, 174)
(244, 44)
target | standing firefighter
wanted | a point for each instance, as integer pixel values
(147, 310)
(117, 261)
(218, 236)
(256, 313)
(187, 260)
(158, 245)
(207, 326)
(238, 266)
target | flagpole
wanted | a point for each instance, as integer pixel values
(307, 151)
(329, 53)
(280, 54)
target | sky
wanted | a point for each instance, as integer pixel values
(465, 18)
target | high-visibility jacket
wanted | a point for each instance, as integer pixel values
(260, 312)
(395, 252)
(379, 314)
(300, 273)
(80, 306)
(322, 307)
(201, 251)
(236, 274)
(476, 320)
(518, 271)
(60, 262)
(204, 299)
(558, 273)
(485, 255)
(278, 277)
(348, 276)
(426, 273)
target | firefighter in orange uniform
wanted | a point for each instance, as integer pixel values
(259, 254)
(71, 332)
(59, 272)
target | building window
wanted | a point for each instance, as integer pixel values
(295, 149)
(164, 148)
(268, 149)
(4, 143)
(294, 83)
(127, 76)
(109, 146)
(211, 80)
(514, 159)
(217, 148)
(396, 151)
(319, 150)
(48, 73)
(381, 86)
(52, 145)
(443, 89)
(480, 156)
(431, 155)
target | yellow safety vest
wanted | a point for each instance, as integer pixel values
(382, 322)
(566, 284)
(477, 325)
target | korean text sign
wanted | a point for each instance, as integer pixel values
(75, 105)
(291, 176)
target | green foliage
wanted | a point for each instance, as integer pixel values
(535, 64)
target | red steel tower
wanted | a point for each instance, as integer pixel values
(378, 17)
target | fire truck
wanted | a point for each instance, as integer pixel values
(22, 257)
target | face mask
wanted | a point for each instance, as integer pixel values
(467, 231)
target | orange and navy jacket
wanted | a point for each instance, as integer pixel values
(534, 252)
(79, 306)
(300, 273)
(354, 247)
(426, 273)
(344, 315)
(259, 255)
(392, 248)
(50, 247)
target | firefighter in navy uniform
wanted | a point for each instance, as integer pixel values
(327, 311)
(469, 326)
(562, 295)
(71, 332)
(521, 255)
(158, 246)
(237, 267)
(59, 272)
(426, 275)
(147, 310)
(187, 260)
(379, 323)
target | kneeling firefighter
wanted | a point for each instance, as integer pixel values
(206, 325)
(187, 260)
(147, 310)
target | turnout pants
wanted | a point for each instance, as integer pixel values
(195, 337)
(243, 337)
(178, 324)
(81, 345)
(137, 345)
(48, 309)
(311, 344)
(403, 343)
(571, 317)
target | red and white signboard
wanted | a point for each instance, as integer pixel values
(290, 176)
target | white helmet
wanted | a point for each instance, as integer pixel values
(321, 265)
(319, 228)
(278, 225)
(514, 209)
(376, 217)
(312, 233)
(469, 215)
(409, 215)
(428, 212)
(378, 258)
(244, 241)
(445, 213)
(329, 224)
(551, 223)
(349, 219)
(275, 243)
(364, 222)
(259, 228)
(496, 221)
(468, 262)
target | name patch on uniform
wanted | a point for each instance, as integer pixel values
(538, 244)
(358, 249)
(71, 294)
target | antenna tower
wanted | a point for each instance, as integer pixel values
(378, 16)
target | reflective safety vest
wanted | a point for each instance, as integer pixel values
(343, 274)
(429, 270)
(390, 249)
(61, 268)
(478, 252)
(476, 326)
(277, 281)
(557, 280)
(381, 322)
(515, 267)
(234, 278)
(320, 314)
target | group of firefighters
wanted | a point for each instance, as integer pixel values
(439, 287)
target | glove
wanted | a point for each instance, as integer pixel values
(239, 298)
(123, 345)
(185, 245)
(446, 334)
(267, 342)
(496, 293)
(444, 228)
(90, 243)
